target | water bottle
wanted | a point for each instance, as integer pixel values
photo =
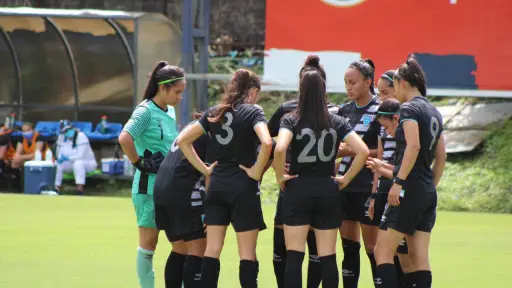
(48, 156)
(38, 156)
(103, 124)
(7, 123)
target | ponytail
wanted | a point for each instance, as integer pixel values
(236, 94)
(163, 74)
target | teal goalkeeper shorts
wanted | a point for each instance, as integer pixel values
(144, 210)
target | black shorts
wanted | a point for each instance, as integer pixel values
(417, 211)
(402, 248)
(242, 209)
(278, 217)
(312, 201)
(181, 219)
(381, 199)
(355, 207)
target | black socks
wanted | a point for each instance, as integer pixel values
(314, 266)
(293, 275)
(386, 276)
(351, 263)
(210, 272)
(279, 257)
(192, 272)
(373, 264)
(248, 274)
(399, 272)
(330, 276)
(174, 270)
(422, 279)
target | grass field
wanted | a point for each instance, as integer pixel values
(91, 242)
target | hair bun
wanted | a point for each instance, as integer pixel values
(312, 61)
(370, 62)
(162, 64)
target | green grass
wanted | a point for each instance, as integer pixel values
(481, 181)
(91, 242)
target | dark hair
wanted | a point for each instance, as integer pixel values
(367, 68)
(313, 61)
(388, 108)
(163, 72)
(312, 109)
(388, 76)
(236, 94)
(412, 72)
(196, 114)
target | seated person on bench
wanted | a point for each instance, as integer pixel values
(74, 155)
(26, 148)
(6, 152)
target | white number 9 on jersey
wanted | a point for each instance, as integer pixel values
(225, 127)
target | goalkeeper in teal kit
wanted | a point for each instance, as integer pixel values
(146, 139)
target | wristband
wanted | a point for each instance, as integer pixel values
(373, 196)
(398, 181)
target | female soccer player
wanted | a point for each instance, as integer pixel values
(361, 112)
(385, 86)
(178, 196)
(312, 199)
(145, 139)
(387, 115)
(279, 259)
(412, 198)
(235, 126)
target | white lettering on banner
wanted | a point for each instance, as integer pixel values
(343, 3)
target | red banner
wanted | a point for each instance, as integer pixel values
(462, 44)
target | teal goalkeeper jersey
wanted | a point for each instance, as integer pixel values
(153, 130)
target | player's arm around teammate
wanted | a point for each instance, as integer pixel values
(236, 126)
(145, 139)
(412, 198)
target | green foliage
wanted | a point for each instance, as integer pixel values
(481, 181)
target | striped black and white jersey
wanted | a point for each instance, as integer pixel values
(389, 155)
(362, 120)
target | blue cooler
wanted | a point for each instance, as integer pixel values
(112, 166)
(38, 174)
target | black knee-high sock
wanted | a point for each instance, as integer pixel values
(279, 256)
(192, 272)
(399, 272)
(330, 276)
(373, 264)
(406, 281)
(210, 272)
(248, 274)
(174, 270)
(386, 276)
(293, 275)
(314, 265)
(351, 263)
(421, 279)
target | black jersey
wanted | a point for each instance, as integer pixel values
(314, 155)
(176, 174)
(389, 152)
(430, 124)
(362, 119)
(234, 143)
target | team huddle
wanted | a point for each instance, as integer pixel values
(369, 167)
